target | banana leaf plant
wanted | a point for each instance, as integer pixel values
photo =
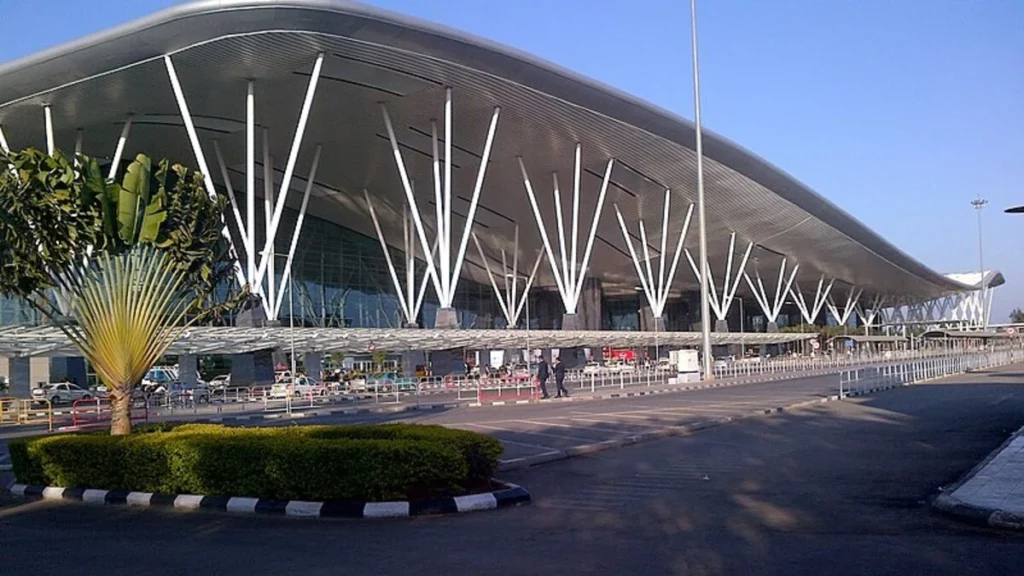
(120, 268)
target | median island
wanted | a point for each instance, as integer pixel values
(309, 463)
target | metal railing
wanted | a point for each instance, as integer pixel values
(923, 369)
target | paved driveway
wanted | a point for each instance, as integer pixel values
(838, 489)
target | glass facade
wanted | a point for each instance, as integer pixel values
(342, 280)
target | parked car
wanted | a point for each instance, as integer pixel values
(303, 386)
(178, 392)
(219, 384)
(158, 378)
(60, 393)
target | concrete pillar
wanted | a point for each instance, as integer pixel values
(721, 326)
(446, 319)
(648, 323)
(20, 368)
(773, 328)
(188, 369)
(410, 360)
(68, 368)
(571, 322)
(313, 364)
(252, 368)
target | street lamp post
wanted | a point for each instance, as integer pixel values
(705, 312)
(979, 205)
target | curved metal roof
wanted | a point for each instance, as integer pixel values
(376, 55)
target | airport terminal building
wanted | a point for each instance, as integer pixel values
(389, 175)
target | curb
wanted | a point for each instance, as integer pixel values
(973, 514)
(672, 431)
(509, 495)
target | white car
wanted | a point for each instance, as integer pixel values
(59, 393)
(592, 368)
(158, 378)
(302, 387)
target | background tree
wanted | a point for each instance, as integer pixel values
(121, 269)
(1017, 316)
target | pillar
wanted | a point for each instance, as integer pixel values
(68, 369)
(20, 368)
(410, 360)
(570, 322)
(188, 369)
(313, 365)
(253, 368)
(446, 319)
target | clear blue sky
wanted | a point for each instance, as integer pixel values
(900, 111)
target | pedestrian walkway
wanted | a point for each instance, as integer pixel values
(993, 493)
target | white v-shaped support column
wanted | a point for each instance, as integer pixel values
(410, 299)
(842, 316)
(197, 149)
(569, 276)
(867, 316)
(445, 272)
(720, 306)
(656, 289)
(772, 307)
(820, 296)
(510, 299)
(267, 257)
(295, 234)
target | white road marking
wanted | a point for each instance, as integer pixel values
(516, 431)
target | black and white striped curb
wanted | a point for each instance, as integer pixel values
(671, 431)
(972, 513)
(508, 495)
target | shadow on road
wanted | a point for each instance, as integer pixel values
(837, 488)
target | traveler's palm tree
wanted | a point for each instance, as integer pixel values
(121, 269)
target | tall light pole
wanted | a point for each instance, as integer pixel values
(979, 205)
(705, 312)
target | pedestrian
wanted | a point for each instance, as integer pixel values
(559, 369)
(542, 376)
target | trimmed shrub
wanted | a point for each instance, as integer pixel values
(372, 463)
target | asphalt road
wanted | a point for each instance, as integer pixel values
(539, 428)
(839, 488)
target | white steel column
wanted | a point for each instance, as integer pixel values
(250, 180)
(197, 149)
(268, 209)
(242, 230)
(295, 233)
(852, 297)
(720, 306)
(3, 142)
(867, 316)
(812, 312)
(569, 276)
(656, 290)
(772, 307)
(445, 272)
(51, 146)
(289, 170)
(410, 300)
(119, 150)
(511, 301)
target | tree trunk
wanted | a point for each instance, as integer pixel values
(120, 413)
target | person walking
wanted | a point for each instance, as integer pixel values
(559, 370)
(542, 376)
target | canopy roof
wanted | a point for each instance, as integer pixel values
(375, 56)
(50, 341)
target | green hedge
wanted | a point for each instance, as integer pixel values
(372, 463)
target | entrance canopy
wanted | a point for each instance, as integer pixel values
(50, 341)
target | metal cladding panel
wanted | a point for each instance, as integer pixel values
(374, 57)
